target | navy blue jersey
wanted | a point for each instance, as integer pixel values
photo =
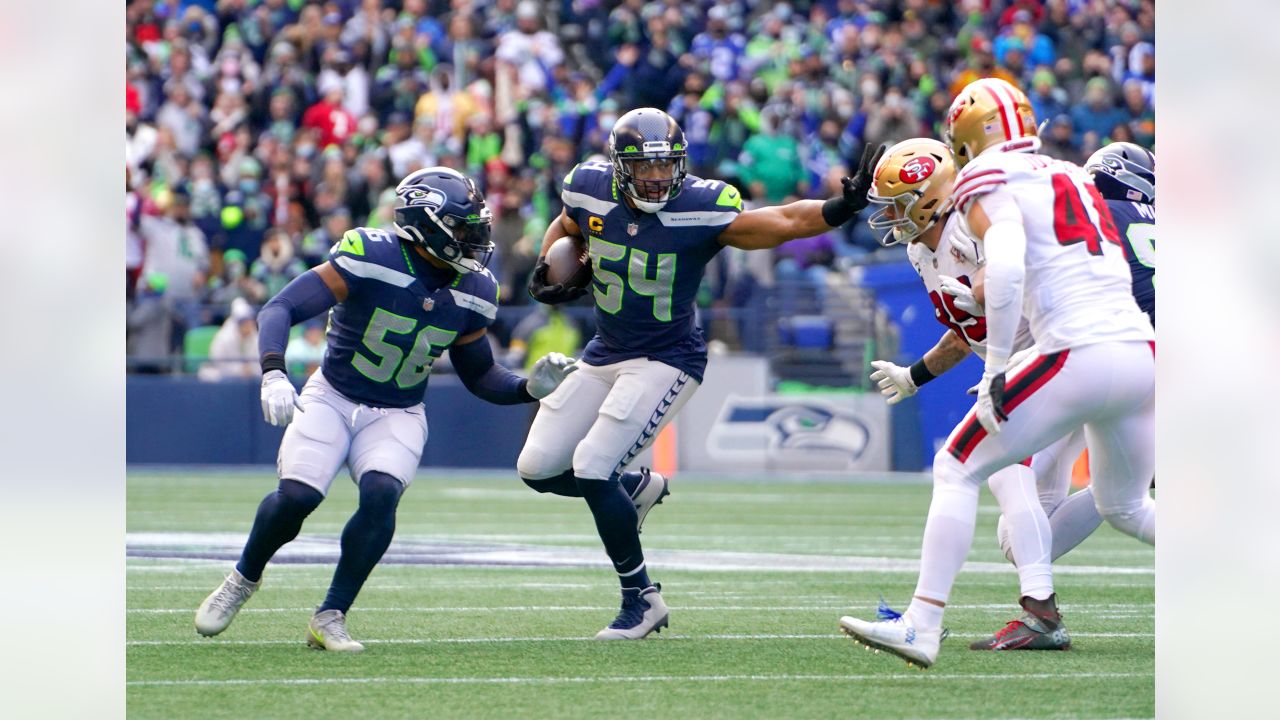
(400, 314)
(1137, 225)
(648, 266)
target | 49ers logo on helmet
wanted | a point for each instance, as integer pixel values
(917, 169)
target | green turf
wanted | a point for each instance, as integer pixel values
(510, 642)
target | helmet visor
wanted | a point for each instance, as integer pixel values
(654, 178)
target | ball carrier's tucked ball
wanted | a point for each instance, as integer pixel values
(566, 258)
(649, 229)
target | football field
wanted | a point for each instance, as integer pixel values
(485, 605)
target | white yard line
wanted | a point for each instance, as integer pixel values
(210, 643)
(1091, 608)
(918, 675)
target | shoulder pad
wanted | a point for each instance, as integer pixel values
(372, 253)
(589, 185)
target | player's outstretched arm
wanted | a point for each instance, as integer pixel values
(472, 359)
(770, 227)
(897, 382)
(308, 295)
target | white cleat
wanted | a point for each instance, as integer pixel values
(643, 612)
(897, 636)
(650, 491)
(328, 631)
(220, 608)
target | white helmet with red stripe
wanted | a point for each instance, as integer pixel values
(990, 113)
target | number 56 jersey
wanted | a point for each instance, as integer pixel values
(400, 314)
(1078, 287)
(648, 266)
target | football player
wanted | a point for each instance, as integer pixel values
(395, 303)
(650, 229)
(1045, 232)
(1126, 177)
(913, 185)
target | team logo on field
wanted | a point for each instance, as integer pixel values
(917, 169)
(632, 229)
(428, 304)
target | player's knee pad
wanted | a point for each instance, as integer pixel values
(379, 492)
(537, 464)
(297, 498)
(594, 463)
(1128, 517)
(948, 471)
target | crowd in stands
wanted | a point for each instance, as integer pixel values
(258, 131)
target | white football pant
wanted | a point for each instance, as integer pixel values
(601, 417)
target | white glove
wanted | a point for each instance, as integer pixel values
(278, 398)
(963, 295)
(990, 405)
(550, 370)
(894, 381)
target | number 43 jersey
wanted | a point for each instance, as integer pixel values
(648, 266)
(400, 314)
(1078, 287)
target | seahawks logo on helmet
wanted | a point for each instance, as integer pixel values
(443, 210)
(1124, 171)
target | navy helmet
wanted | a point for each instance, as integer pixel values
(648, 142)
(442, 210)
(1124, 171)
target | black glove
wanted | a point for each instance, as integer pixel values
(572, 289)
(839, 210)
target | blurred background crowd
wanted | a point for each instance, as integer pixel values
(258, 131)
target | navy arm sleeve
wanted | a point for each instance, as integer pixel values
(486, 379)
(305, 297)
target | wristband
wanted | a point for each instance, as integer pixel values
(273, 361)
(837, 211)
(920, 374)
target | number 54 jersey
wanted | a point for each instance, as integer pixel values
(400, 314)
(1078, 286)
(648, 266)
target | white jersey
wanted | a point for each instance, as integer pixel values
(1078, 286)
(959, 256)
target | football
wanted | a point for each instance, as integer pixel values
(564, 257)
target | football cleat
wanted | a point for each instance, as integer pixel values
(652, 488)
(1039, 628)
(220, 608)
(328, 631)
(893, 633)
(643, 612)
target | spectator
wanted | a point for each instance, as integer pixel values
(1047, 99)
(305, 351)
(1098, 114)
(149, 326)
(1060, 140)
(177, 250)
(276, 266)
(329, 117)
(234, 350)
(770, 164)
(1141, 117)
(530, 49)
(235, 282)
(718, 50)
(894, 120)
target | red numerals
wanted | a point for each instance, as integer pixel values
(967, 326)
(1071, 222)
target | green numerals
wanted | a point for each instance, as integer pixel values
(1142, 238)
(414, 369)
(610, 299)
(659, 287)
(431, 341)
